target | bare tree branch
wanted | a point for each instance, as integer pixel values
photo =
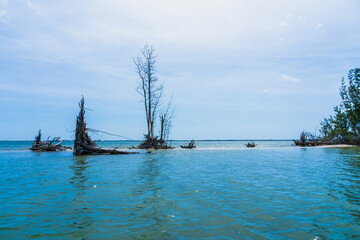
(148, 87)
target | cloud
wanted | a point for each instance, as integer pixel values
(318, 25)
(3, 11)
(4, 17)
(273, 91)
(287, 78)
(110, 27)
(32, 6)
(283, 24)
(89, 45)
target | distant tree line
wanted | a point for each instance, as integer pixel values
(344, 125)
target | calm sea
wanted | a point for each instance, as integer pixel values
(219, 191)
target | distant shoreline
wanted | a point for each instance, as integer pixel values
(332, 146)
(216, 140)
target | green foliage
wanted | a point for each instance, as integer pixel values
(350, 95)
(345, 123)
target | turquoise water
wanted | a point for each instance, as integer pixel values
(219, 191)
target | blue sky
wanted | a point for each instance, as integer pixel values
(237, 69)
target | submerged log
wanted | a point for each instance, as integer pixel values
(83, 145)
(191, 145)
(48, 146)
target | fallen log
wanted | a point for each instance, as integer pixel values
(250, 144)
(83, 145)
(191, 145)
(48, 146)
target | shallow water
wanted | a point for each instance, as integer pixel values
(219, 191)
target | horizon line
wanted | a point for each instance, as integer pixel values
(204, 140)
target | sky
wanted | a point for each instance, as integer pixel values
(237, 69)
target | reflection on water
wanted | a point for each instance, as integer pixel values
(349, 181)
(151, 209)
(80, 209)
(80, 164)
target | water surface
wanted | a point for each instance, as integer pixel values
(219, 191)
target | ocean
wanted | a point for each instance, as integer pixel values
(221, 190)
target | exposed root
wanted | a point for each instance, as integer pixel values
(48, 146)
(153, 143)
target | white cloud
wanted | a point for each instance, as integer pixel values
(3, 5)
(318, 25)
(32, 6)
(273, 91)
(283, 24)
(99, 34)
(4, 17)
(89, 45)
(287, 78)
(109, 25)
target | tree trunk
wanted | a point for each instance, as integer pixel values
(83, 145)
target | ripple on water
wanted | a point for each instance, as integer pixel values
(280, 193)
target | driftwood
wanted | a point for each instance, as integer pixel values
(250, 144)
(48, 146)
(312, 143)
(191, 145)
(83, 145)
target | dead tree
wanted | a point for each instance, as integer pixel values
(308, 139)
(49, 145)
(303, 139)
(151, 91)
(166, 122)
(83, 145)
(37, 139)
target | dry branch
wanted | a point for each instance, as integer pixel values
(48, 146)
(151, 91)
(308, 139)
